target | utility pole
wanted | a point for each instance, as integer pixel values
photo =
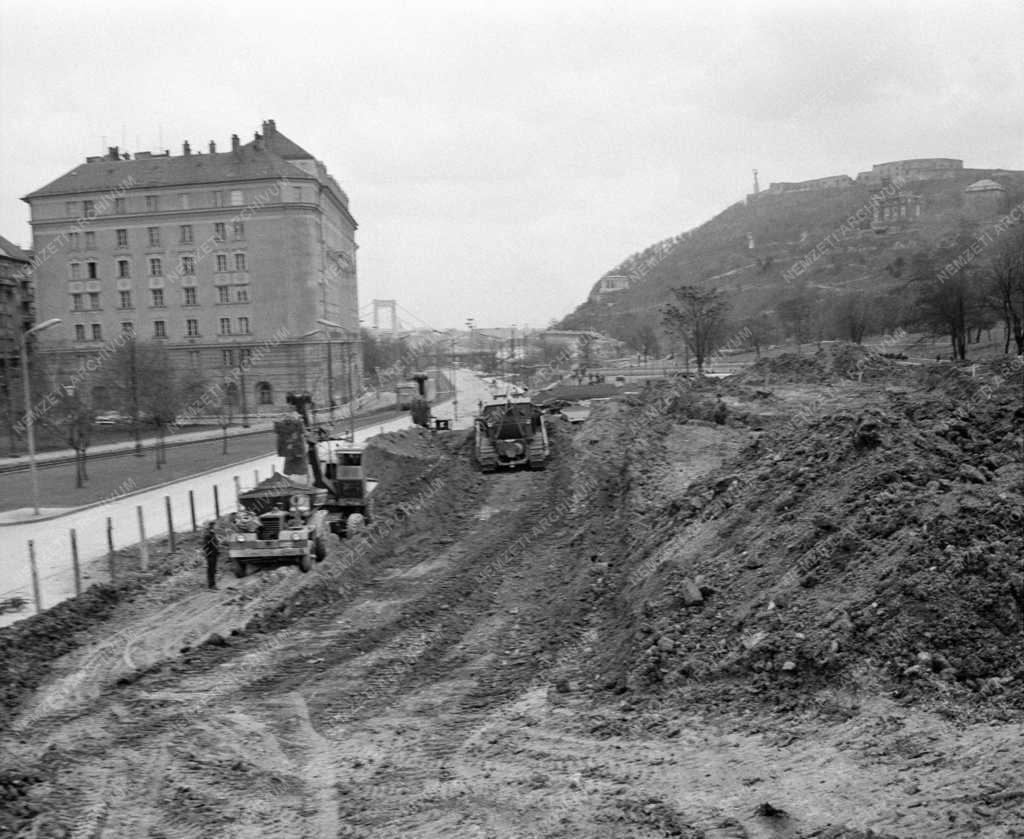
(351, 393)
(330, 379)
(242, 358)
(134, 384)
(455, 390)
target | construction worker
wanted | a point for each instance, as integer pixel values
(721, 411)
(211, 548)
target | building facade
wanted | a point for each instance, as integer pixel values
(17, 316)
(226, 258)
(985, 199)
(916, 169)
(17, 298)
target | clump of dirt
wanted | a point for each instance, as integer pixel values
(871, 547)
(17, 807)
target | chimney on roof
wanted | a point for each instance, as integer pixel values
(269, 128)
(257, 141)
(113, 152)
(234, 142)
(186, 149)
(213, 147)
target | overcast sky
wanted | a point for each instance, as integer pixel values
(500, 159)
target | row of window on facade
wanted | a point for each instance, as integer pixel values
(186, 267)
(264, 392)
(154, 236)
(155, 203)
(157, 299)
(226, 325)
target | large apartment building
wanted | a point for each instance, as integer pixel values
(223, 257)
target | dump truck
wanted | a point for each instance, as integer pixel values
(511, 433)
(281, 521)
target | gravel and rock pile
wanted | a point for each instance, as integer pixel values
(832, 362)
(857, 548)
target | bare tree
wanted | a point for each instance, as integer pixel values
(796, 313)
(123, 376)
(1006, 282)
(698, 317)
(73, 417)
(644, 339)
(853, 315)
(759, 330)
(947, 302)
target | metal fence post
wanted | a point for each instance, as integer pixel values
(35, 575)
(74, 562)
(143, 547)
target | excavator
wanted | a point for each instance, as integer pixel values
(287, 518)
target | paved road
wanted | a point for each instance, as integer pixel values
(52, 537)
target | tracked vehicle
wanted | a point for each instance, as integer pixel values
(511, 433)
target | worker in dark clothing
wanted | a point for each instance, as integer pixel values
(721, 411)
(211, 548)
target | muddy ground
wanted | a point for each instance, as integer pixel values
(804, 622)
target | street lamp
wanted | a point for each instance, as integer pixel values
(348, 374)
(455, 390)
(29, 421)
(330, 370)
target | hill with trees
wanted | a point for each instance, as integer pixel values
(834, 262)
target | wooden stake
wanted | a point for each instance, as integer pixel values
(216, 502)
(74, 562)
(170, 522)
(110, 550)
(35, 576)
(143, 547)
(192, 509)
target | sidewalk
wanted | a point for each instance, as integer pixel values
(364, 404)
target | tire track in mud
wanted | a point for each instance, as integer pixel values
(467, 597)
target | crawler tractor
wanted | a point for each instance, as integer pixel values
(511, 433)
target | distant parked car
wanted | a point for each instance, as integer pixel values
(111, 418)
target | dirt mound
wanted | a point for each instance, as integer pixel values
(29, 646)
(880, 546)
(831, 362)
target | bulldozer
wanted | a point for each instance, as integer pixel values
(511, 433)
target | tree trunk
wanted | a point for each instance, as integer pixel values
(79, 478)
(225, 439)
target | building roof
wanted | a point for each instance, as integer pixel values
(102, 174)
(266, 157)
(280, 145)
(10, 250)
(984, 185)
